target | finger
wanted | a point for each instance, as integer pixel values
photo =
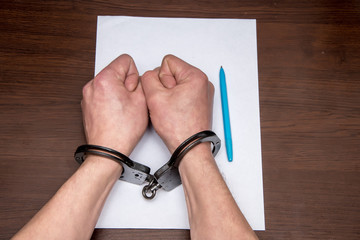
(174, 70)
(151, 83)
(124, 70)
(211, 89)
(139, 90)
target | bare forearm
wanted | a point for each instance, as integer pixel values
(73, 212)
(213, 213)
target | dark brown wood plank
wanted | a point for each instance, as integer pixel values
(309, 79)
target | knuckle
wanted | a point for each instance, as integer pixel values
(119, 72)
(125, 55)
(211, 87)
(201, 78)
(101, 81)
(86, 89)
(168, 57)
(146, 75)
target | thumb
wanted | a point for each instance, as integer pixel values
(131, 81)
(168, 80)
(151, 83)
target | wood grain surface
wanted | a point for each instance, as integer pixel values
(309, 78)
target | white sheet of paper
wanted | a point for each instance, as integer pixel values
(206, 44)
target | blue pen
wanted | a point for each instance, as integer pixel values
(226, 117)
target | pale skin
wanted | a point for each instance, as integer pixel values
(116, 107)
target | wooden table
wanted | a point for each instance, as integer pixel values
(309, 74)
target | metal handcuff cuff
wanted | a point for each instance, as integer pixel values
(167, 177)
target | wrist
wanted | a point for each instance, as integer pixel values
(201, 153)
(103, 165)
(122, 147)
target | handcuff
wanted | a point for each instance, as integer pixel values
(166, 177)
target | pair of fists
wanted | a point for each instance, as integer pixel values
(117, 103)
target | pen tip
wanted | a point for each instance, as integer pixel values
(220, 66)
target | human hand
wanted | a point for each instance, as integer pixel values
(179, 98)
(114, 107)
